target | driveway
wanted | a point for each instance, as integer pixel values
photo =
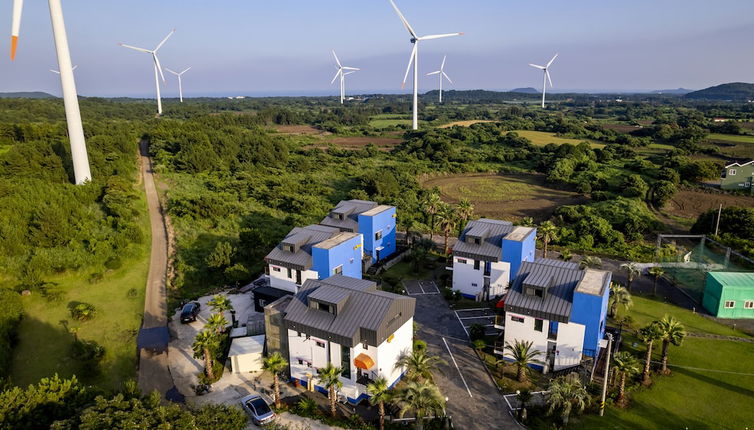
(474, 401)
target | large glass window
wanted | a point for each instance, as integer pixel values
(538, 324)
(345, 361)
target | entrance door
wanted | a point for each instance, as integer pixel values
(551, 352)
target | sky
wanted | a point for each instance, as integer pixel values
(282, 47)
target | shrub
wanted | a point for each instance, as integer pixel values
(420, 345)
(307, 407)
(96, 277)
(82, 311)
(114, 263)
(476, 331)
(11, 312)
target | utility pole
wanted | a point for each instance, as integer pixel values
(607, 370)
(719, 212)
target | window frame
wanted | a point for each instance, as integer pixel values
(378, 235)
(732, 304)
(518, 319)
(337, 270)
(539, 322)
(749, 304)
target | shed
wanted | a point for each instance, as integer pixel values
(246, 354)
(729, 294)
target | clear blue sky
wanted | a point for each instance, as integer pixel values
(283, 46)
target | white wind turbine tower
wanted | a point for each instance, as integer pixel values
(157, 67)
(415, 60)
(57, 72)
(546, 76)
(342, 73)
(180, 82)
(81, 171)
(441, 74)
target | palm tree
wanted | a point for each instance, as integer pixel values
(591, 262)
(656, 272)
(379, 392)
(205, 345)
(567, 393)
(465, 211)
(566, 255)
(418, 364)
(625, 365)
(619, 296)
(648, 334)
(329, 376)
(276, 365)
(217, 323)
(432, 205)
(523, 356)
(632, 271)
(447, 220)
(421, 398)
(671, 331)
(523, 397)
(220, 303)
(547, 232)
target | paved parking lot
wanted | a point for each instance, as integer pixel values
(420, 288)
(483, 316)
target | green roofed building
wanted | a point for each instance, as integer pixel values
(729, 294)
(738, 177)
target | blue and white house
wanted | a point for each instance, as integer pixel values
(560, 308)
(376, 222)
(486, 255)
(314, 252)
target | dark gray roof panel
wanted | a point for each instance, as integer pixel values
(350, 209)
(491, 247)
(558, 263)
(304, 238)
(330, 295)
(539, 278)
(557, 301)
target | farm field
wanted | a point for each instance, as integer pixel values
(389, 120)
(712, 369)
(733, 145)
(359, 142)
(542, 138)
(504, 197)
(465, 123)
(298, 129)
(690, 204)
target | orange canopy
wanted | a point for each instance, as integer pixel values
(363, 362)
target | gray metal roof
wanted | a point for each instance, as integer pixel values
(492, 233)
(558, 299)
(350, 209)
(558, 263)
(366, 315)
(304, 238)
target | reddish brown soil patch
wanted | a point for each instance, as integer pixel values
(621, 128)
(297, 129)
(691, 204)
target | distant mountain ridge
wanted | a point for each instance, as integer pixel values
(677, 91)
(27, 95)
(527, 90)
(738, 91)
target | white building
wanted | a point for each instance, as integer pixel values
(349, 323)
(558, 307)
(486, 254)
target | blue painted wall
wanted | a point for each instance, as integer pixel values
(369, 225)
(348, 254)
(591, 311)
(515, 252)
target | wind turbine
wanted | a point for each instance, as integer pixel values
(81, 171)
(441, 74)
(414, 59)
(180, 83)
(546, 76)
(342, 73)
(157, 67)
(57, 72)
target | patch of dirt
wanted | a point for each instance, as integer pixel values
(358, 142)
(691, 204)
(465, 123)
(621, 128)
(299, 129)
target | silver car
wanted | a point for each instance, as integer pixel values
(258, 409)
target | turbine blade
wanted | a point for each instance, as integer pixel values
(433, 73)
(171, 71)
(537, 67)
(351, 68)
(74, 67)
(547, 72)
(135, 48)
(55, 72)
(186, 70)
(447, 77)
(348, 73)
(410, 62)
(403, 19)
(553, 59)
(164, 40)
(336, 76)
(439, 36)
(442, 66)
(18, 6)
(337, 61)
(159, 67)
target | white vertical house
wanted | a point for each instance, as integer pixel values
(558, 307)
(487, 253)
(350, 324)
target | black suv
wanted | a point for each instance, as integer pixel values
(189, 312)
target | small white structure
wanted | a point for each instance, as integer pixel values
(246, 354)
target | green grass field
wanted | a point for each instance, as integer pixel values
(715, 394)
(389, 120)
(43, 346)
(542, 138)
(733, 145)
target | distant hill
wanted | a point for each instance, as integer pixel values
(677, 91)
(738, 91)
(527, 90)
(27, 95)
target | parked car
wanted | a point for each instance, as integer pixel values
(258, 409)
(189, 312)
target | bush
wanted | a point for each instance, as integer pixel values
(82, 311)
(96, 277)
(476, 331)
(114, 263)
(307, 407)
(11, 312)
(420, 345)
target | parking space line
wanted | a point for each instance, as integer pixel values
(462, 325)
(473, 309)
(457, 368)
(475, 318)
(422, 287)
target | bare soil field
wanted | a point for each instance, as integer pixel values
(298, 129)
(355, 143)
(504, 197)
(621, 128)
(465, 123)
(691, 204)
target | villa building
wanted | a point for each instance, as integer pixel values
(348, 323)
(486, 254)
(313, 252)
(560, 308)
(738, 177)
(376, 222)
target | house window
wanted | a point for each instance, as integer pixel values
(476, 264)
(749, 304)
(288, 248)
(320, 344)
(538, 324)
(325, 307)
(300, 361)
(477, 241)
(365, 345)
(732, 172)
(378, 235)
(517, 319)
(290, 272)
(729, 304)
(299, 334)
(461, 261)
(473, 285)
(345, 362)
(275, 269)
(338, 270)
